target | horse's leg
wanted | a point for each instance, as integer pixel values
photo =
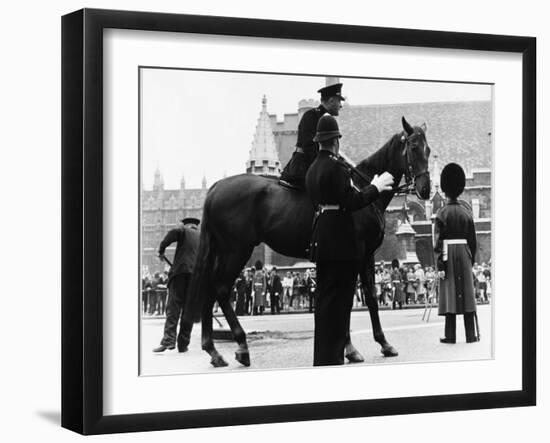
(207, 340)
(351, 353)
(242, 355)
(227, 269)
(367, 280)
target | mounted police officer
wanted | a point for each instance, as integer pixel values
(187, 238)
(306, 147)
(455, 248)
(334, 245)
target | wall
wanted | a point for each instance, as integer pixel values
(30, 113)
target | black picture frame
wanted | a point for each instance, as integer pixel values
(82, 218)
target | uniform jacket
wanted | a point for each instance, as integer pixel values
(186, 250)
(456, 295)
(259, 287)
(328, 181)
(307, 128)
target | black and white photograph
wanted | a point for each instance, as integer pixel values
(292, 220)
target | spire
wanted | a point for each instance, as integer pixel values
(159, 181)
(182, 182)
(263, 154)
(204, 182)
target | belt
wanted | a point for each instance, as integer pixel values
(323, 208)
(455, 241)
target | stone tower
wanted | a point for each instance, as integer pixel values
(263, 159)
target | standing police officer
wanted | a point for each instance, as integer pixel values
(455, 248)
(306, 147)
(334, 245)
(187, 238)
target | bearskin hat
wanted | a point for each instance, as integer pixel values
(453, 180)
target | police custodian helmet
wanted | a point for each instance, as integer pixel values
(327, 129)
(453, 180)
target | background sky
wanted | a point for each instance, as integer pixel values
(200, 123)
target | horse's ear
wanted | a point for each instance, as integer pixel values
(408, 128)
(424, 127)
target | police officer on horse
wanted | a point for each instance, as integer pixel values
(306, 147)
(334, 245)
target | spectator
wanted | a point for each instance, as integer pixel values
(295, 289)
(430, 284)
(386, 296)
(420, 284)
(275, 289)
(310, 288)
(146, 289)
(397, 283)
(248, 308)
(260, 288)
(287, 290)
(411, 290)
(240, 289)
(378, 285)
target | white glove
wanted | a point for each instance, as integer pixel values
(383, 182)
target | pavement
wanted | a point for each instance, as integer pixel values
(286, 341)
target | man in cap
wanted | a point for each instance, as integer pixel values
(334, 245)
(306, 147)
(187, 238)
(455, 248)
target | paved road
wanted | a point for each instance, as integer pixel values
(286, 341)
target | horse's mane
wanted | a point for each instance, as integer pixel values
(373, 162)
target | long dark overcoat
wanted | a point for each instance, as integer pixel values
(456, 292)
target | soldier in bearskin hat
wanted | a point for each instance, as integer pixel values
(334, 245)
(306, 147)
(455, 248)
(179, 277)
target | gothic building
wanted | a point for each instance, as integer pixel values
(457, 132)
(161, 210)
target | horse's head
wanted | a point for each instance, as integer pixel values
(414, 157)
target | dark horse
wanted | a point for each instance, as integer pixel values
(244, 210)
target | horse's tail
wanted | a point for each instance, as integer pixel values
(200, 287)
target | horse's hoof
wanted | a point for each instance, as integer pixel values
(218, 362)
(355, 357)
(389, 351)
(243, 358)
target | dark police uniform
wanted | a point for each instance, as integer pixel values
(306, 149)
(178, 283)
(335, 249)
(455, 248)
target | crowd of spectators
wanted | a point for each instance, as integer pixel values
(258, 290)
(154, 292)
(410, 285)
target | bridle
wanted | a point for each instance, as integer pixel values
(409, 187)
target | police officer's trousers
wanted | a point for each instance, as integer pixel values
(336, 281)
